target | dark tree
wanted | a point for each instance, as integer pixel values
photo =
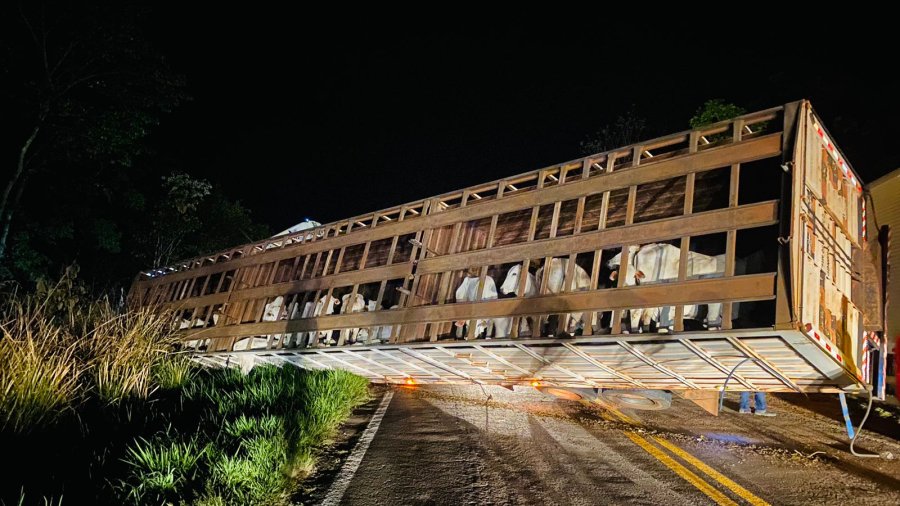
(627, 129)
(81, 90)
(714, 111)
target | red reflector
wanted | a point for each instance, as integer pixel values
(827, 346)
(839, 358)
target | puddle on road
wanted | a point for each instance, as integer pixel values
(730, 438)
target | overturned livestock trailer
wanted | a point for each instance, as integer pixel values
(760, 227)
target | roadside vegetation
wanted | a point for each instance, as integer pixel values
(97, 408)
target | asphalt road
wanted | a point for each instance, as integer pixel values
(454, 445)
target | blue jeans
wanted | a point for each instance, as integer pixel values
(759, 398)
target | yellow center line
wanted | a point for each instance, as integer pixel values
(697, 463)
(682, 471)
(712, 473)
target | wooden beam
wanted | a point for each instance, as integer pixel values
(731, 238)
(348, 278)
(721, 220)
(699, 291)
(598, 253)
(708, 400)
(745, 151)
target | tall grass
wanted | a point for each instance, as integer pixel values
(173, 371)
(57, 347)
(125, 349)
(252, 437)
(40, 369)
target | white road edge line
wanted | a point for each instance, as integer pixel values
(336, 492)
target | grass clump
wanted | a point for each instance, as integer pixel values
(58, 349)
(173, 371)
(125, 350)
(39, 376)
(275, 417)
(94, 402)
(161, 469)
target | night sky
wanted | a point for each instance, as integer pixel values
(301, 116)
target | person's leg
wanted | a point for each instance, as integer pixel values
(745, 402)
(759, 400)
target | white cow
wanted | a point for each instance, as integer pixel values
(271, 313)
(511, 285)
(556, 283)
(380, 333)
(468, 292)
(300, 338)
(294, 312)
(358, 306)
(656, 263)
(186, 323)
(328, 306)
(198, 322)
(640, 317)
(325, 306)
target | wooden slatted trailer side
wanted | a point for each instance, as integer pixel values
(684, 189)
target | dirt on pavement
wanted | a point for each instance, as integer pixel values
(474, 445)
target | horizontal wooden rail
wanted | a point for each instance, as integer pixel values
(364, 276)
(649, 171)
(748, 216)
(700, 291)
(710, 222)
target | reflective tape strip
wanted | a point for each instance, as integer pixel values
(830, 148)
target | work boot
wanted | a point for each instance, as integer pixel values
(763, 413)
(745, 412)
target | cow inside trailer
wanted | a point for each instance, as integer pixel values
(778, 222)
